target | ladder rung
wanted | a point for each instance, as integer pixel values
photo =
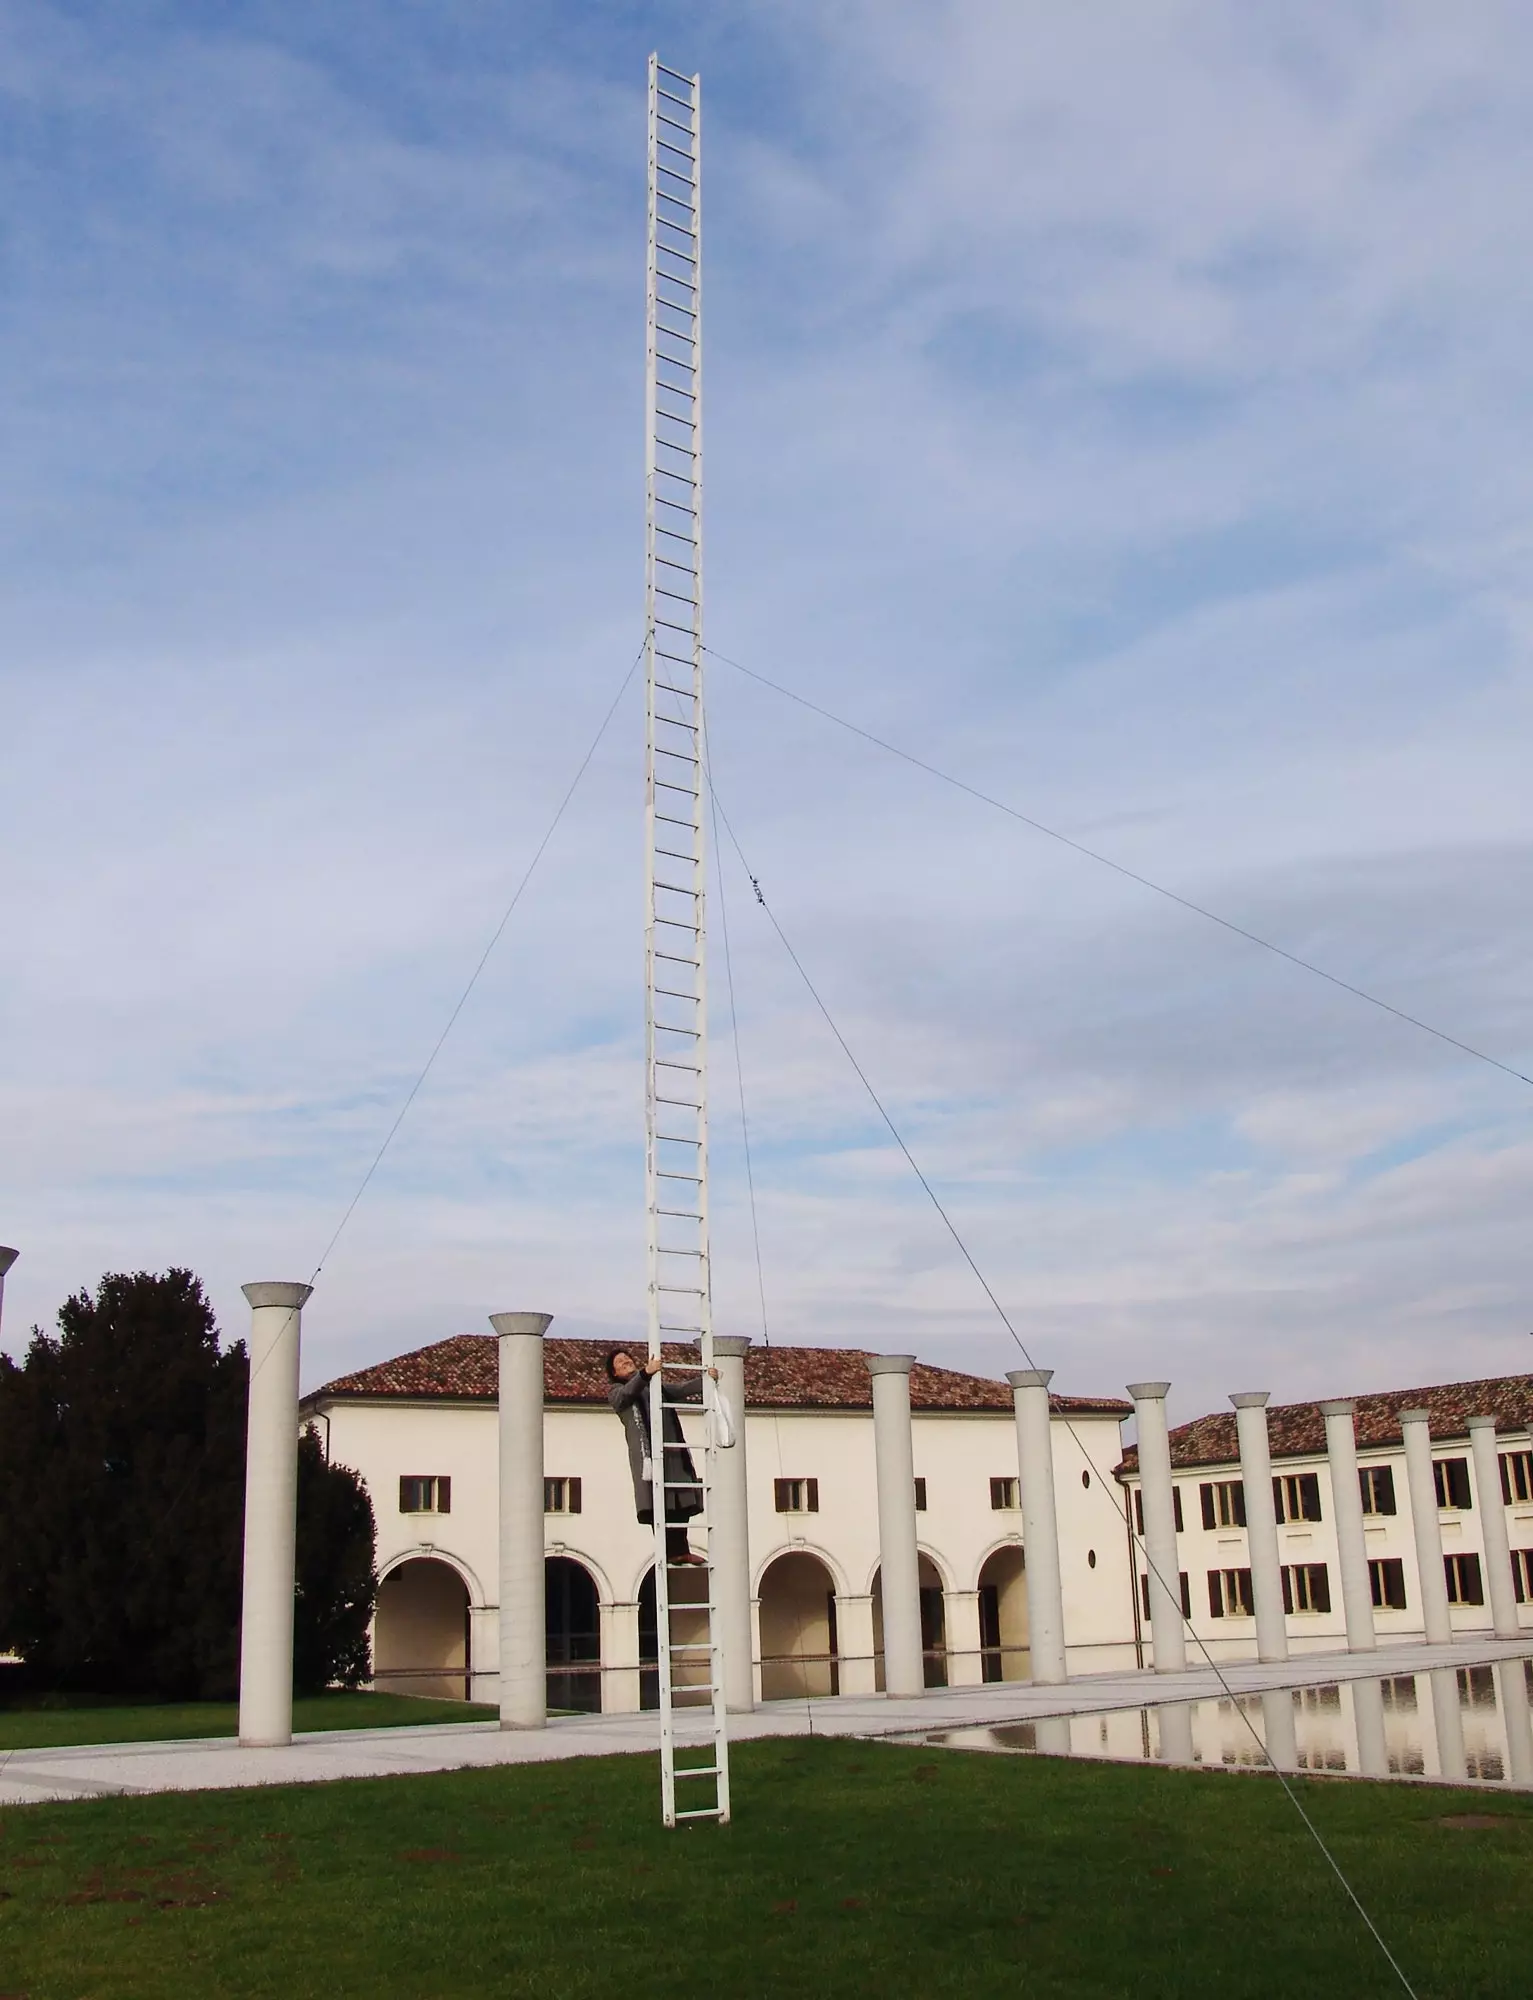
(681, 1104)
(690, 1645)
(702, 1771)
(674, 123)
(703, 1812)
(684, 1214)
(665, 1062)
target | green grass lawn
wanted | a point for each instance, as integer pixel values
(50, 1723)
(851, 1869)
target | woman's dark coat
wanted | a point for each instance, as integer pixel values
(631, 1401)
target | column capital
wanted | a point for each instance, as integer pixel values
(1030, 1378)
(1149, 1392)
(732, 1346)
(889, 1364)
(534, 1325)
(1338, 1406)
(1482, 1424)
(1251, 1399)
(7, 1258)
(276, 1293)
(1415, 1416)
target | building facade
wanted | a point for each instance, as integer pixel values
(421, 1430)
(1214, 1536)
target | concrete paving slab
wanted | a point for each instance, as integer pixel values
(214, 1763)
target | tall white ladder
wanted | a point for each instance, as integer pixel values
(694, 1744)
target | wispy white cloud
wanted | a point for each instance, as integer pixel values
(1122, 407)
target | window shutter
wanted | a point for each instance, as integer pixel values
(811, 1496)
(1139, 1511)
(1320, 1586)
(1309, 1496)
(1206, 1494)
(1186, 1595)
(1215, 1583)
(1176, 1508)
(780, 1495)
(1239, 1497)
(1144, 1597)
(444, 1496)
(572, 1490)
(1287, 1576)
(1506, 1479)
(1278, 1497)
(406, 1496)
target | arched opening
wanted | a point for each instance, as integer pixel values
(933, 1626)
(1003, 1634)
(689, 1629)
(572, 1632)
(420, 1631)
(798, 1628)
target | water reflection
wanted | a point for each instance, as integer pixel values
(1472, 1723)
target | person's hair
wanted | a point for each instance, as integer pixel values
(612, 1359)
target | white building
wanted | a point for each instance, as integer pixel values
(1214, 1540)
(422, 1432)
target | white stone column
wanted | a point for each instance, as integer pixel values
(1498, 1549)
(523, 1637)
(729, 1550)
(7, 1259)
(1512, 1700)
(1174, 1724)
(1279, 1729)
(271, 1514)
(1368, 1720)
(960, 1617)
(1261, 1524)
(899, 1561)
(1040, 1525)
(1448, 1723)
(1431, 1581)
(1168, 1634)
(620, 1687)
(857, 1673)
(1347, 1510)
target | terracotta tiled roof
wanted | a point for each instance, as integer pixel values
(1297, 1430)
(464, 1368)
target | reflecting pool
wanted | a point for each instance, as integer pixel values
(1465, 1723)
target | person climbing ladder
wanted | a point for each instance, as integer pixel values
(628, 1395)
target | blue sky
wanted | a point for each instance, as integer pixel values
(1126, 408)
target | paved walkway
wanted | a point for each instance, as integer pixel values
(212, 1763)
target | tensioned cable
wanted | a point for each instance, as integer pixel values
(1121, 868)
(484, 958)
(437, 1047)
(1173, 1593)
(734, 1036)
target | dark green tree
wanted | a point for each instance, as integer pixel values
(122, 1452)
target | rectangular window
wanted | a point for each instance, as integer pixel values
(1306, 1587)
(1386, 1581)
(1176, 1508)
(920, 1496)
(796, 1496)
(1224, 1503)
(561, 1496)
(1003, 1494)
(1229, 1594)
(1522, 1575)
(1465, 1584)
(1517, 1478)
(1296, 1496)
(425, 1494)
(1378, 1486)
(1144, 1594)
(1451, 1478)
